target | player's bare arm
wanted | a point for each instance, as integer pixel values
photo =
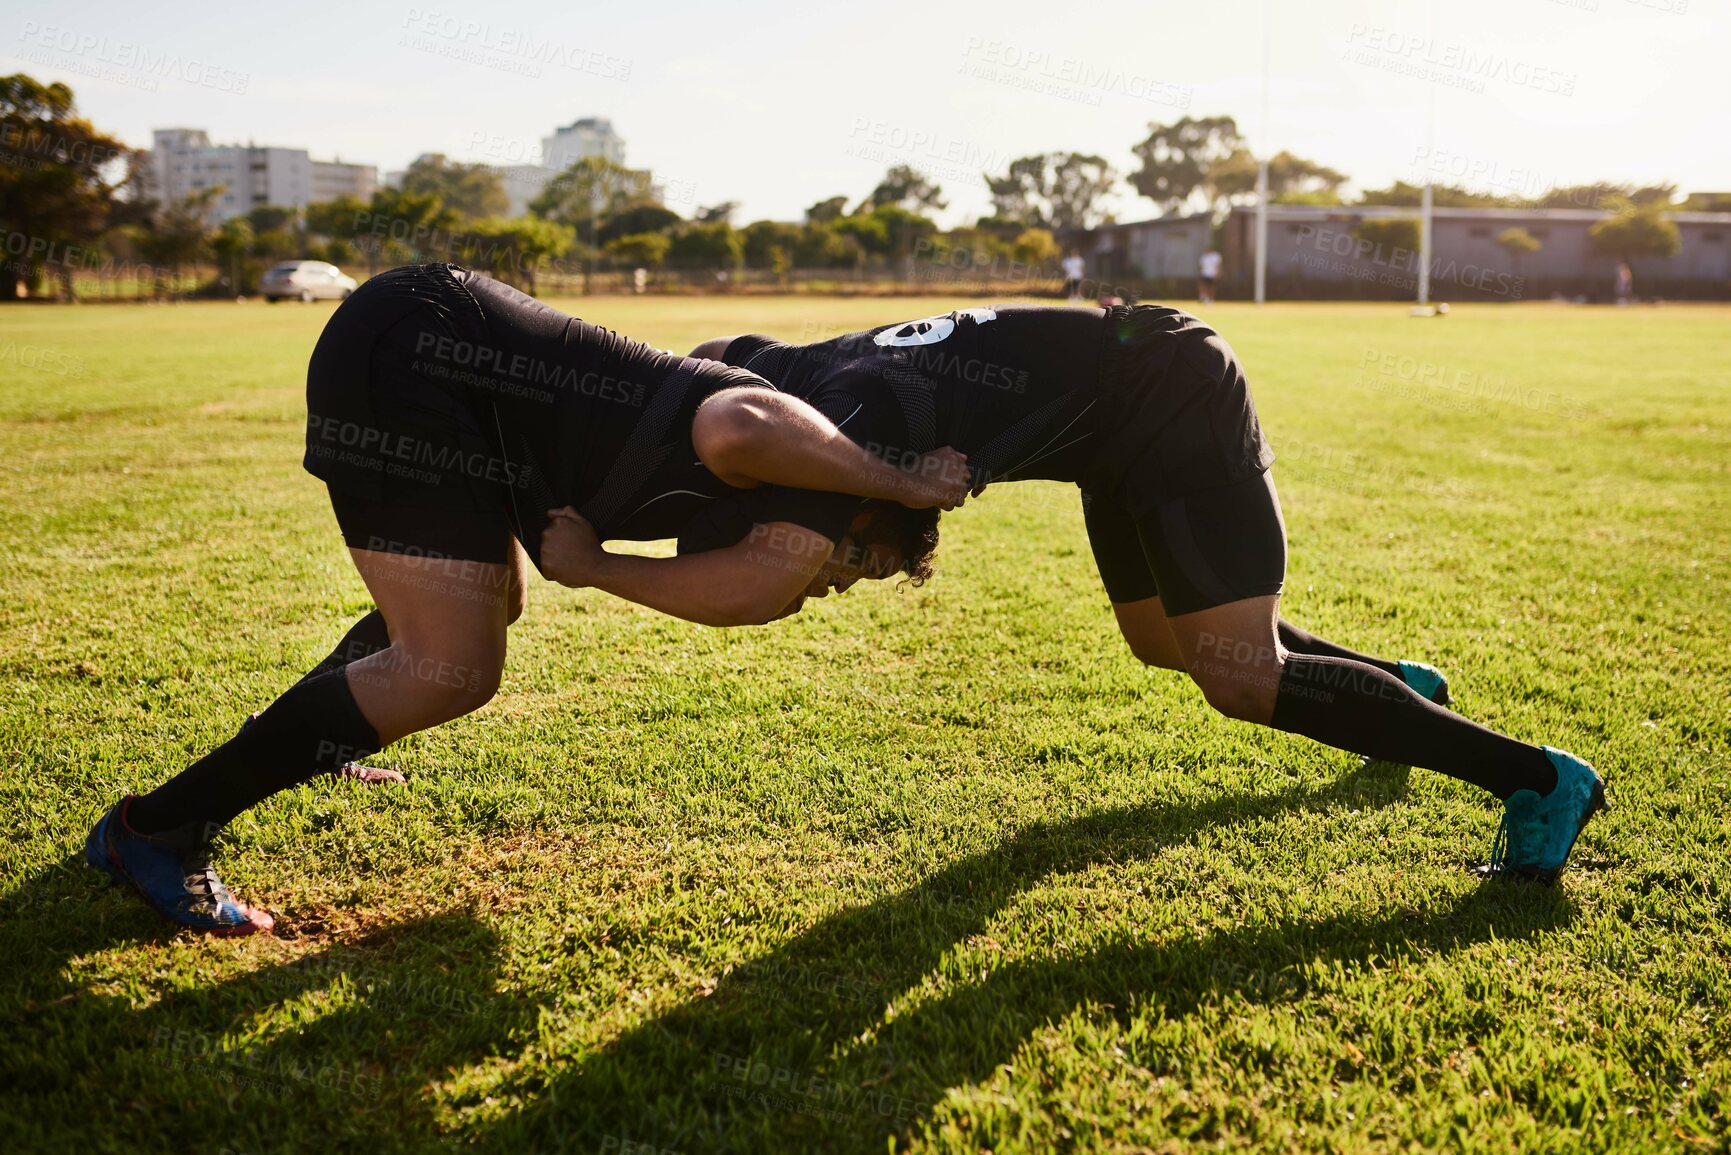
(750, 436)
(745, 584)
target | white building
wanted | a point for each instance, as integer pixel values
(588, 136)
(185, 162)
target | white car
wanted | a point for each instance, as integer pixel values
(305, 281)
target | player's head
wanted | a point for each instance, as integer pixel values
(884, 540)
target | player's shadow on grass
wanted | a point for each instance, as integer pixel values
(792, 1050)
(333, 1050)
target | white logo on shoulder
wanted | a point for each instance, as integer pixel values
(929, 330)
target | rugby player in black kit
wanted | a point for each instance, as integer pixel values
(448, 415)
(1147, 410)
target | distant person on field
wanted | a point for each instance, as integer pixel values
(1625, 286)
(1208, 271)
(1074, 270)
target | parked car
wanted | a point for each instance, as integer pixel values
(305, 281)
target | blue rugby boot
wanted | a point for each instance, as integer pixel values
(1426, 679)
(172, 871)
(1538, 832)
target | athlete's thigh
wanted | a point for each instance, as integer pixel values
(1129, 580)
(1216, 546)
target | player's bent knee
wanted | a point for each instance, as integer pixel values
(1245, 693)
(1153, 654)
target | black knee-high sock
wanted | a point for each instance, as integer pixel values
(311, 730)
(1303, 642)
(1368, 711)
(364, 639)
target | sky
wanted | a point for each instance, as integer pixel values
(778, 104)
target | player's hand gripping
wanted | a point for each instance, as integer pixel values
(570, 549)
(939, 478)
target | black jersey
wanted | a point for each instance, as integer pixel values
(1018, 389)
(433, 385)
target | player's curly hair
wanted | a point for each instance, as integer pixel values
(914, 532)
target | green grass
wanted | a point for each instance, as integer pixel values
(939, 870)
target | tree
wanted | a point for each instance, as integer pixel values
(592, 190)
(822, 247)
(1059, 190)
(764, 239)
(707, 246)
(178, 235)
(642, 218)
(232, 246)
(1035, 247)
(1182, 162)
(1403, 195)
(1604, 194)
(1390, 236)
(869, 232)
(1291, 179)
(825, 211)
(399, 227)
(514, 250)
(645, 250)
(275, 232)
(1517, 243)
(904, 186)
(57, 194)
(1636, 230)
(721, 213)
(474, 191)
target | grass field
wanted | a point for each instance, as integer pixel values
(938, 869)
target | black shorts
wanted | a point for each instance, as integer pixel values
(382, 425)
(1179, 501)
(1195, 552)
(428, 531)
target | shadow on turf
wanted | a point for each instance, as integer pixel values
(386, 1015)
(791, 1051)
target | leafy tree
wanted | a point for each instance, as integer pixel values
(825, 211)
(400, 227)
(715, 245)
(641, 218)
(906, 187)
(869, 232)
(1603, 194)
(1390, 234)
(1183, 162)
(589, 192)
(903, 227)
(474, 191)
(178, 235)
(1061, 190)
(515, 250)
(645, 250)
(763, 239)
(1035, 247)
(61, 195)
(344, 218)
(717, 214)
(1290, 178)
(1636, 230)
(1517, 243)
(822, 246)
(1404, 195)
(231, 245)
